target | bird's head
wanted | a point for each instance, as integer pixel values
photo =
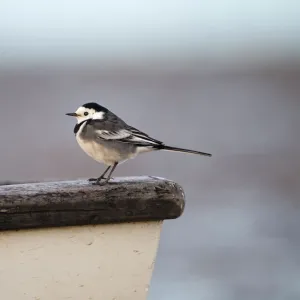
(89, 111)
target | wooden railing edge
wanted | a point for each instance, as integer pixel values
(78, 202)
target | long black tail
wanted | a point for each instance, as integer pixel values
(169, 148)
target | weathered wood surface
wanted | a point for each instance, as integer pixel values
(67, 203)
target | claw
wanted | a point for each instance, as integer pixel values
(92, 179)
(100, 180)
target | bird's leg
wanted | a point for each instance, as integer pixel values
(110, 173)
(101, 177)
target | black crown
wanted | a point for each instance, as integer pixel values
(95, 106)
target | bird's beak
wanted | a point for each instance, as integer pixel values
(72, 114)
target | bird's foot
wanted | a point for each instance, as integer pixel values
(92, 179)
(100, 180)
(104, 182)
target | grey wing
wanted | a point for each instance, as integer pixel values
(121, 132)
(143, 138)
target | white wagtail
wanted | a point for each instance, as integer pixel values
(109, 140)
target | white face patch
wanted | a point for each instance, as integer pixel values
(84, 114)
(98, 115)
(88, 113)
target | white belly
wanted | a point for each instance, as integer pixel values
(100, 153)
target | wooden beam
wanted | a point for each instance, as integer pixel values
(68, 203)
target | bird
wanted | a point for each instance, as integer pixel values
(108, 139)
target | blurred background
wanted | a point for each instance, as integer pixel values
(218, 76)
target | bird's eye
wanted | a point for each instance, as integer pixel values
(86, 113)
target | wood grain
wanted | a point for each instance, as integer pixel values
(68, 203)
